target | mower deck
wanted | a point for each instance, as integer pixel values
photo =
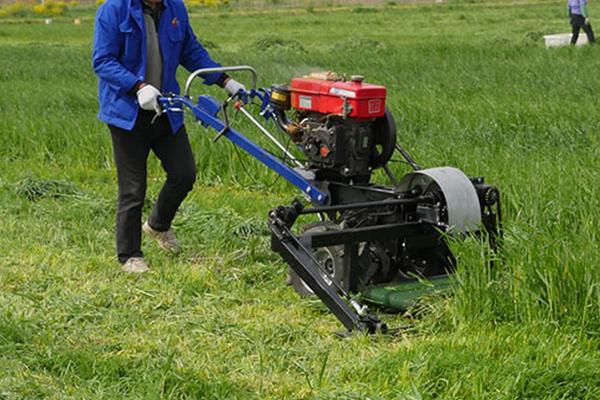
(400, 296)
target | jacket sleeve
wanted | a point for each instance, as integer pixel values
(105, 55)
(194, 56)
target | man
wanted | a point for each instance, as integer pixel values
(138, 46)
(578, 13)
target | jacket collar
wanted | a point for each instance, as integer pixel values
(136, 11)
(137, 4)
(162, 4)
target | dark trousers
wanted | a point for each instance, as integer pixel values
(131, 149)
(577, 23)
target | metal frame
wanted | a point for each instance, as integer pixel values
(297, 250)
(205, 71)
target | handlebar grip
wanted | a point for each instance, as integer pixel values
(204, 71)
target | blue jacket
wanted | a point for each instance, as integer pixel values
(119, 57)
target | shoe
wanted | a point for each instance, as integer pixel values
(166, 240)
(136, 265)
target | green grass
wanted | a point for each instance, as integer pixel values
(470, 85)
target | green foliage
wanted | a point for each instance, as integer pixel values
(34, 189)
(276, 43)
(205, 3)
(16, 9)
(359, 44)
(207, 44)
(50, 8)
(359, 10)
(469, 85)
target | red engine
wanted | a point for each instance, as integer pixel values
(341, 126)
(351, 99)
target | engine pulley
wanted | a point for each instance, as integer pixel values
(384, 140)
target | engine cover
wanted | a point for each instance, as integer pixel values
(351, 99)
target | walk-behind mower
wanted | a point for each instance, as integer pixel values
(375, 244)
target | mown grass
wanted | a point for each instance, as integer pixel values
(470, 85)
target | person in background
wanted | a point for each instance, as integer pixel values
(138, 45)
(578, 13)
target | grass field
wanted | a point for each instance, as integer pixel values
(470, 84)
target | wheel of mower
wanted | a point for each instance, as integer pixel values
(463, 211)
(330, 258)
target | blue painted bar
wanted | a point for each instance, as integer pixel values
(174, 104)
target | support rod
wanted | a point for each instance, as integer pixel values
(271, 137)
(300, 259)
(368, 233)
(407, 157)
(366, 204)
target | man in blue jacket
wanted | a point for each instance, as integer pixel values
(138, 45)
(578, 14)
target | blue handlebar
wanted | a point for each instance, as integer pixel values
(205, 112)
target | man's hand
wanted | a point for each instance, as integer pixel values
(147, 97)
(232, 86)
(587, 20)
